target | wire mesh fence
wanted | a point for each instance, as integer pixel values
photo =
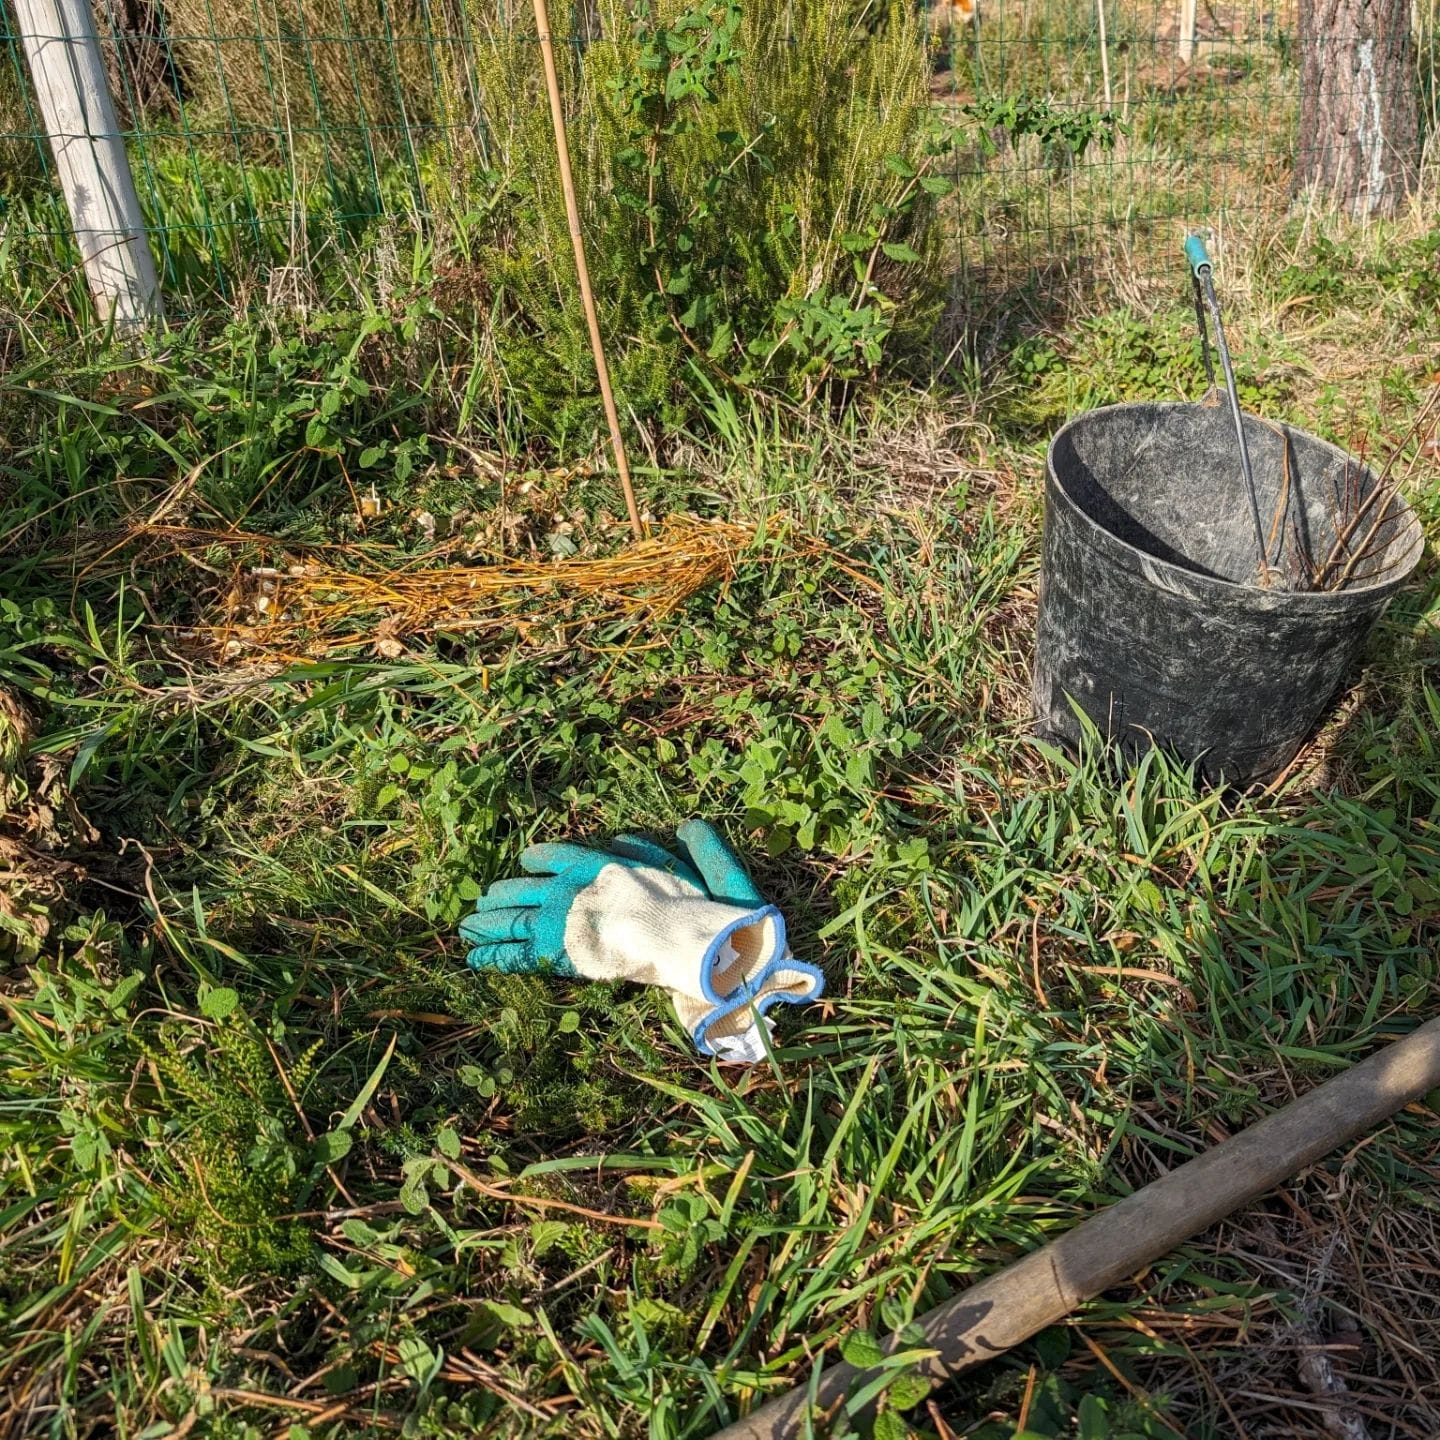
(1206, 124)
(261, 135)
(257, 135)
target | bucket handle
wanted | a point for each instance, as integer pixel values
(1202, 276)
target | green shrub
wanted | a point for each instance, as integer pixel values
(756, 198)
(237, 1164)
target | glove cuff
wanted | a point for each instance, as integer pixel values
(784, 979)
(657, 929)
(741, 952)
(739, 1041)
(727, 1029)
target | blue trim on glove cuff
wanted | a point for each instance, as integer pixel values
(711, 957)
(746, 995)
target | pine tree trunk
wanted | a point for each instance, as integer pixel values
(1359, 138)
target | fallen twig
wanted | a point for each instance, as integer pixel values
(495, 1192)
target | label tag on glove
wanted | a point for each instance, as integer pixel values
(745, 1048)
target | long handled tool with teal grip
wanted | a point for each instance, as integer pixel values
(1202, 273)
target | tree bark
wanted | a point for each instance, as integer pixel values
(1359, 141)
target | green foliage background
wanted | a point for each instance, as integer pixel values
(754, 194)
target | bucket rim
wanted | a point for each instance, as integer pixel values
(1318, 599)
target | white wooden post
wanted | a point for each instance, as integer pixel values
(68, 70)
(1187, 31)
(1104, 55)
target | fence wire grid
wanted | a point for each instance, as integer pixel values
(259, 137)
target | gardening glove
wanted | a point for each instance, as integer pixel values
(640, 913)
(737, 1029)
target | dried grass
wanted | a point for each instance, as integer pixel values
(33, 878)
(17, 728)
(1354, 1346)
(1334, 1327)
(311, 608)
(369, 71)
(21, 158)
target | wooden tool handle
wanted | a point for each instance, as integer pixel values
(1021, 1300)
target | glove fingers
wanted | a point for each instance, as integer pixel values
(516, 922)
(647, 852)
(577, 863)
(509, 958)
(718, 864)
(525, 890)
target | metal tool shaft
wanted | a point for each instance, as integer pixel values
(1204, 277)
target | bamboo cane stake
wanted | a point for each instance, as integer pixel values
(577, 242)
(1012, 1305)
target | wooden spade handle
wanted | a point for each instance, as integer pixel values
(1015, 1303)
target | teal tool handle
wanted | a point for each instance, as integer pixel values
(1197, 255)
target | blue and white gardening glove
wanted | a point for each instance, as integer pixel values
(696, 927)
(737, 1030)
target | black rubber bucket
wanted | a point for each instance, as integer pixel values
(1152, 615)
